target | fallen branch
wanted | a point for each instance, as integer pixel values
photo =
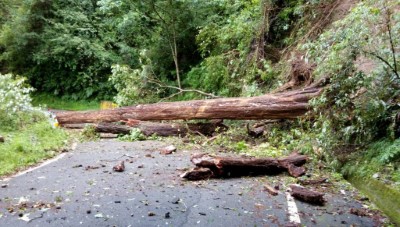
(235, 167)
(307, 195)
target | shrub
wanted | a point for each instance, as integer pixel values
(15, 102)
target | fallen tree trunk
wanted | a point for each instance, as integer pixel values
(287, 105)
(152, 128)
(235, 167)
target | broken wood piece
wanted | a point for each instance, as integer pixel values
(296, 171)
(255, 132)
(168, 150)
(120, 167)
(286, 105)
(241, 166)
(306, 195)
(270, 190)
(197, 174)
(153, 128)
(359, 212)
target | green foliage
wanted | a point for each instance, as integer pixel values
(359, 104)
(240, 45)
(132, 84)
(380, 160)
(89, 133)
(135, 135)
(63, 47)
(15, 103)
(68, 47)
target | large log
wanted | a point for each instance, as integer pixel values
(287, 105)
(153, 128)
(238, 166)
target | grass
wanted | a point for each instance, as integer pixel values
(29, 145)
(53, 102)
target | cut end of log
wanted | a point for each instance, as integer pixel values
(197, 174)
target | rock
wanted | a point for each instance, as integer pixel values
(120, 167)
(167, 215)
(168, 150)
(375, 176)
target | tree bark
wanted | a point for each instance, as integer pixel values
(160, 129)
(287, 105)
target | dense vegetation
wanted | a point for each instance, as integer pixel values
(146, 51)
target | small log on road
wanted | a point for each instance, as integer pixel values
(286, 105)
(307, 195)
(314, 182)
(271, 190)
(160, 129)
(239, 166)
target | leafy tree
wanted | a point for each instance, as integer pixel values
(63, 47)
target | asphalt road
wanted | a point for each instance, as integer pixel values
(79, 188)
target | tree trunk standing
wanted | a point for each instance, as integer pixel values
(174, 50)
(287, 105)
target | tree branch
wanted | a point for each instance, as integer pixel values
(384, 61)
(180, 90)
(389, 29)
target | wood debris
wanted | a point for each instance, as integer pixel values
(120, 167)
(307, 195)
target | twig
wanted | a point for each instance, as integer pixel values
(180, 90)
(385, 62)
(37, 217)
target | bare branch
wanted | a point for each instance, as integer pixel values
(385, 62)
(180, 90)
(389, 29)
